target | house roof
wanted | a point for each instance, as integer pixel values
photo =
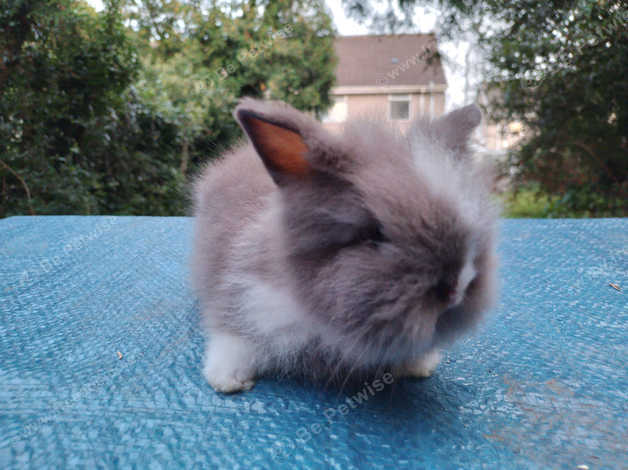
(379, 60)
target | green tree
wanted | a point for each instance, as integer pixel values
(280, 49)
(197, 69)
(558, 67)
(162, 26)
(87, 127)
(74, 137)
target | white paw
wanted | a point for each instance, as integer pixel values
(228, 364)
(424, 366)
(228, 383)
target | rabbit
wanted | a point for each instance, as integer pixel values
(325, 253)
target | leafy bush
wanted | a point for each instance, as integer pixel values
(88, 128)
(532, 202)
(74, 137)
(575, 105)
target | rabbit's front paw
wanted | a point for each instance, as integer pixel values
(228, 364)
(423, 366)
(227, 383)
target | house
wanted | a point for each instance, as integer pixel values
(396, 76)
(497, 137)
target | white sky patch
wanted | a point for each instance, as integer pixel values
(97, 4)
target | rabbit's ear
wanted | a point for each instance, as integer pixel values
(456, 127)
(280, 147)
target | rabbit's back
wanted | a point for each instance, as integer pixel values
(228, 195)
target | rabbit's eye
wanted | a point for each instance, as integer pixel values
(371, 235)
(377, 236)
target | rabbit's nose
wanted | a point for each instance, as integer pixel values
(455, 297)
(445, 291)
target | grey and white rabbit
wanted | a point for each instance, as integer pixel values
(363, 251)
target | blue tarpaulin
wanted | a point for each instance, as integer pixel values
(100, 355)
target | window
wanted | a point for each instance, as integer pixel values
(338, 110)
(399, 107)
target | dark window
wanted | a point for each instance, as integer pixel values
(400, 109)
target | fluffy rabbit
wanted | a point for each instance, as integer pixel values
(332, 254)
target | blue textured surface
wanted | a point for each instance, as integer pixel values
(542, 384)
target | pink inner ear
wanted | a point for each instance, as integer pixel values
(282, 149)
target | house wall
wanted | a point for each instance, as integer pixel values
(498, 137)
(428, 104)
(501, 137)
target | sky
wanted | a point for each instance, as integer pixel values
(425, 21)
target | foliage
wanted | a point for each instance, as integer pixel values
(531, 201)
(282, 53)
(559, 68)
(110, 112)
(73, 136)
(574, 104)
(178, 88)
(198, 69)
